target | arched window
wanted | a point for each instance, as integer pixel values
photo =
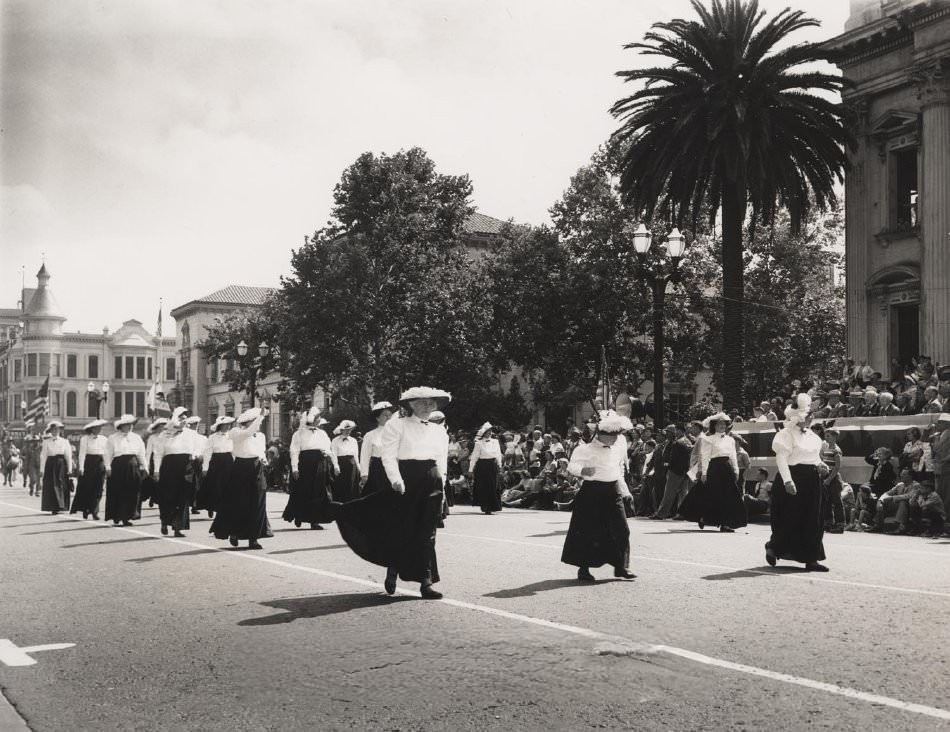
(71, 404)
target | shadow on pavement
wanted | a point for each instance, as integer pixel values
(321, 605)
(552, 533)
(40, 523)
(192, 553)
(107, 541)
(755, 572)
(101, 526)
(310, 549)
(544, 586)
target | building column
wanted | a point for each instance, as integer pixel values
(933, 85)
(857, 216)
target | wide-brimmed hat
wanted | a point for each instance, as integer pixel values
(95, 423)
(614, 424)
(157, 425)
(798, 410)
(482, 430)
(179, 413)
(380, 407)
(222, 420)
(346, 424)
(125, 419)
(425, 392)
(437, 417)
(717, 417)
(194, 419)
(55, 423)
(249, 415)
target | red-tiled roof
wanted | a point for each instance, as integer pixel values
(481, 224)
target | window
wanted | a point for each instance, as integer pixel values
(149, 369)
(139, 404)
(130, 402)
(117, 371)
(31, 364)
(169, 369)
(116, 404)
(57, 364)
(903, 189)
(91, 404)
(16, 406)
(71, 369)
(71, 404)
(93, 367)
(44, 364)
(185, 367)
(140, 368)
(17, 369)
(130, 368)
(213, 363)
(54, 404)
(229, 407)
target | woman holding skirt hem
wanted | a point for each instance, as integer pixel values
(92, 470)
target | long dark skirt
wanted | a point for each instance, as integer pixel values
(215, 482)
(148, 490)
(89, 486)
(176, 490)
(346, 486)
(598, 533)
(377, 480)
(485, 485)
(716, 500)
(242, 512)
(309, 500)
(398, 531)
(797, 521)
(55, 485)
(122, 489)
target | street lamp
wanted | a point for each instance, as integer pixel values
(658, 273)
(100, 396)
(256, 371)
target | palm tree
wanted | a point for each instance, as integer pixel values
(732, 122)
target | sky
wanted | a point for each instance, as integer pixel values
(164, 149)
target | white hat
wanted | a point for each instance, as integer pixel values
(193, 420)
(380, 406)
(346, 424)
(125, 419)
(613, 424)
(437, 417)
(797, 411)
(309, 418)
(481, 430)
(55, 423)
(179, 413)
(425, 392)
(321, 422)
(223, 419)
(95, 423)
(156, 425)
(249, 415)
(336, 430)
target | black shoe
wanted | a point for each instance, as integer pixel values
(815, 567)
(584, 575)
(316, 527)
(126, 523)
(657, 517)
(115, 522)
(85, 515)
(211, 514)
(727, 529)
(624, 573)
(297, 524)
(194, 511)
(770, 555)
(390, 585)
(429, 593)
(95, 517)
(702, 524)
(54, 513)
(232, 540)
(179, 535)
(164, 530)
(254, 545)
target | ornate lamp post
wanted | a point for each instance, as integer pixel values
(658, 273)
(256, 371)
(100, 396)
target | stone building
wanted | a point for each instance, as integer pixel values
(897, 54)
(120, 366)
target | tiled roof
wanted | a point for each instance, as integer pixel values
(239, 295)
(481, 224)
(10, 312)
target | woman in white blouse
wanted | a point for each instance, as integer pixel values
(92, 470)
(396, 528)
(346, 450)
(483, 466)
(125, 463)
(312, 467)
(155, 433)
(175, 472)
(56, 463)
(715, 499)
(242, 513)
(796, 515)
(598, 533)
(216, 462)
(372, 474)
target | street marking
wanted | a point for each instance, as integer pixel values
(808, 577)
(635, 648)
(12, 655)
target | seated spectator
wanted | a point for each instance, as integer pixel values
(758, 415)
(883, 476)
(848, 503)
(869, 406)
(758, 503)
(926, 504)
(886, 406)
(933, 404)
(913, 452)
(862, 517)
(855, 402)
(896, 502)
(905, 401)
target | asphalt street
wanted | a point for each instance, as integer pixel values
(190, 634)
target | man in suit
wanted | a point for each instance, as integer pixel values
(676, 461)
(941, 456)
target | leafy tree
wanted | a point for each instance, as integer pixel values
(732, 121)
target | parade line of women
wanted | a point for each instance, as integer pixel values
(388, 498)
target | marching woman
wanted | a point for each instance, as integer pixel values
(201, 442)
(598, 533)
(216, 462)
(125, 463)
(242, 512)
(156, 433)
(175, 473)
(312, 467)
(715, 499)
(395, 527)
(56, 461)
(796, 508)
(346, 450)
(372, 474)
(92, 470)
(483, 465)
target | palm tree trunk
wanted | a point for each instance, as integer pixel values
(733, 338)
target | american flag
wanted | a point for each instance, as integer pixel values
(39, 407)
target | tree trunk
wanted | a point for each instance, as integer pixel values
(733, 330)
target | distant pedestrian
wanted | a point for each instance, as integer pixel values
(175, 472)
(92, 470)
(56, 458)
(312, 468)
(200, 441)
(484, 464)
(216, 463)
(156, 434)
(346, 485)
(125, 466)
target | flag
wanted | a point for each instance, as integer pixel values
(158, 405)
(39, 407)
(158, 328)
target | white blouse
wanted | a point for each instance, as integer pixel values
(217, 443)
(794, 447)
(121, 444)
(485, 450)
(717, 446)
(91, 445)
(345, 447)
(604, 459)
(56, 446)
(248, 442)
(154, 443)
(372, 447)
(410, 438)
(310, 439)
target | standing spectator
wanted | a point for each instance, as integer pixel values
(940, 448)
(744, 461)
(676, 455)
(912, 455)
(883, 476)
(926, 504)
(834, 515)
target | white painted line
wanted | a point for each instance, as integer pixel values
(807, 577)
(634, 647)
(13, 655)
